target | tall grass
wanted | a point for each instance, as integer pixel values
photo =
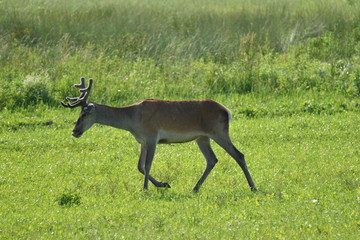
(177, 49)
(178, 28)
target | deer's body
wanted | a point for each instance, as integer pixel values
(154, 121)
(184, 121)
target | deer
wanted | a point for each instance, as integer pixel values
(154, 121)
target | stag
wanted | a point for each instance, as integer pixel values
(154, 121)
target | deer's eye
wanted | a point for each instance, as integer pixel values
(83, 115)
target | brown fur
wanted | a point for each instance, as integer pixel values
(154, 121)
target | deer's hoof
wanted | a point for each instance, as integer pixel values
(165, 185)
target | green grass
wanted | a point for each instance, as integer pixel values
(181, 28)
(205, 47)
(288, 70)
(305, 166)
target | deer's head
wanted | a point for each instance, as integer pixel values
(87, 115)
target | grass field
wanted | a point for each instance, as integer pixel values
(288, 70)
(306, 168)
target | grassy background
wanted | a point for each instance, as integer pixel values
(288, 70)
(209, 48)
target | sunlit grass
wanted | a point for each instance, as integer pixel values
(205, 47)
(288, 70)
(306, 168)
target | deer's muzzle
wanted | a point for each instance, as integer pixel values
(77, 134)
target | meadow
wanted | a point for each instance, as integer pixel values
(288, 70)
(56, 187)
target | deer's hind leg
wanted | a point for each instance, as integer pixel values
(211, 160)
(224, 141)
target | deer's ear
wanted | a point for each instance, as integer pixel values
(89, 108)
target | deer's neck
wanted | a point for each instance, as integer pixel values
(114, 116)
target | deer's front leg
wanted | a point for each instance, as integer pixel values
(141, 167)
